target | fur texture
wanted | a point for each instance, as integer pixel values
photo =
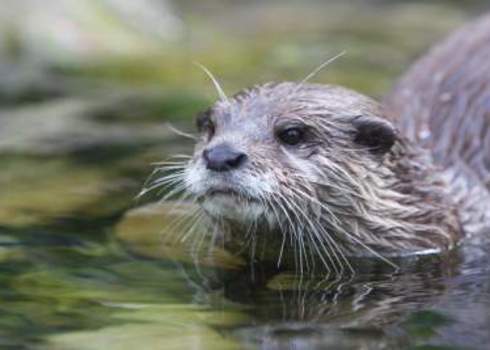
(349, 188)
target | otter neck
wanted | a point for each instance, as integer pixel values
(405, 209)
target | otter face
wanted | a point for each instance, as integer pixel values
(265, 152)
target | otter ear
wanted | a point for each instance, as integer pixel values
(379, 135)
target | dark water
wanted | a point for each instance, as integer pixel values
(82, 264)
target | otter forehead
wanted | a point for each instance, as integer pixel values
(257, 107)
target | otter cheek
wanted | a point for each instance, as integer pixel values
(195, 178)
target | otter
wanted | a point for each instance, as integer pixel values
(321, 172)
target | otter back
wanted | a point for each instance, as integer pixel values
(443, 102)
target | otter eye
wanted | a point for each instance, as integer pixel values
(205, 124)
(291, 136)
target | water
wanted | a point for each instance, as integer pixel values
(83, 264)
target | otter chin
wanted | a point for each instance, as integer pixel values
(232, 205)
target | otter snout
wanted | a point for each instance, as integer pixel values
(223, 157)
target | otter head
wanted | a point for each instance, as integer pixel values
(319, 163)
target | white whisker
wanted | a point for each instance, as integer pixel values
(220, 91)
(319, 68)
(180, 133)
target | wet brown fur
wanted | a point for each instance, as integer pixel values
(338, 195)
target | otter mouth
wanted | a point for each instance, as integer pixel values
(228, 193)
(232, 204)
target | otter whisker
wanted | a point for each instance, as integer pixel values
(212, 242)
(200, 216)
(332, 243)
(252, 240)
(338, 248)
(151, 184)
(168, 173)
(174, 160)
(343, 256)
(169, 162)
(150, 177)
(166, 181)
(250, 231)
(160, 185)
(291, 204)
(350, 236)
(386, 260)
(281, 249)
(341, 229)
(163, 180)
(299, 236)
(175, 225)
(180, 132)
(325, 234)
(319, 68)
(253, 247)
(284, 232)
(178, 189)
(146, 190)
(171, 167)
(295, 236)
(197, 244)
(314, 232)
(220, 91)
(292, 228)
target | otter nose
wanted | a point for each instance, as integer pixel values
(223, 158)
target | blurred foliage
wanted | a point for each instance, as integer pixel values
(253, 42)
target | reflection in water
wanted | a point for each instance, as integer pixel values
(374, 309)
